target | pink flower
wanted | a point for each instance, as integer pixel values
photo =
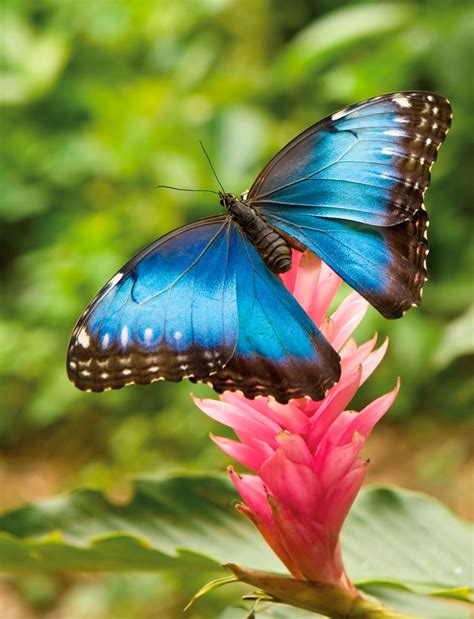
(305, 453)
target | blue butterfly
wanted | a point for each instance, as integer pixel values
(205, 302)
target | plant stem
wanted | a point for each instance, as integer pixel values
(322, 598)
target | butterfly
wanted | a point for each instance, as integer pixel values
(205, 302)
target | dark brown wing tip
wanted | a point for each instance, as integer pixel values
(409, 239)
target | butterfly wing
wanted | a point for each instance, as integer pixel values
(200, 303)
(279, 350)
(170, 313)
(351, 187)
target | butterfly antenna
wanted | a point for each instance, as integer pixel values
(212, 167)
(185, 189)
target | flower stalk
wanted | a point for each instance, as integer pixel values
(327, 600)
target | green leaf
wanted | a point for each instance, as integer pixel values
(457, 340)
(406, 537)
(187, 521)
(423, 606)
(339, 30)
(210, 586)
(184, 517)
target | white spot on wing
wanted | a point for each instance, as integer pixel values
(124, 336)
(83, 338)
(178, 335)
(115, 279)
(106, 340)
(338, 115)
(148, 335)
(394, 132)
(402, 102)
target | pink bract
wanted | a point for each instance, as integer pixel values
(305, 453)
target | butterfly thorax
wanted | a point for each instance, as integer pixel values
(272, 247)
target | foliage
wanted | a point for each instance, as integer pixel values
(185, 523)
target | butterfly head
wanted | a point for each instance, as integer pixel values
(227, 199)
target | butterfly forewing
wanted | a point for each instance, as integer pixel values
(347, 186)
(169, 313)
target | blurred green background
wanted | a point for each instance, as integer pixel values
(105, 99)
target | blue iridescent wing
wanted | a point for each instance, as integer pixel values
(350, 188)
(171, 312)
(279, 351)
(200, 303)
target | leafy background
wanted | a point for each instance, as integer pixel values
(103, 100)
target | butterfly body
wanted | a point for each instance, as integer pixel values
(274, 250)
(205, 302)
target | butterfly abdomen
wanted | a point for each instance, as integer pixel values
(272, 247)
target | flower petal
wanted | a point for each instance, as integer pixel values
(331, 407)
(255, 423)
(290, 417)
(252, 490)
(291, 483)
(295, 448)
(306, 283)
(324, 294)
(339, 460)
(313, 553)
(353, 356)
(347, 317)
(369, 416)
(373, 360)
(289, 278)
(260, 405)
(340, 497)
(246, 455)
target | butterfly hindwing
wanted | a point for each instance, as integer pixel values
(385, 264)
(171, 312)
(279, 349)
(350, 188)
